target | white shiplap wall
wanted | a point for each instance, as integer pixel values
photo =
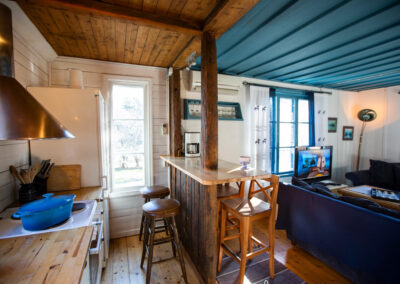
(125, 212)
(31, 56)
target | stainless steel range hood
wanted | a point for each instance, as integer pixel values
(21, 115)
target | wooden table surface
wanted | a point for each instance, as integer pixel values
(56, 257)
(227, 172)
(385, 203)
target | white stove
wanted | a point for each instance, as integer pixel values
(10, 228)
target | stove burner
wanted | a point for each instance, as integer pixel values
(78, 206)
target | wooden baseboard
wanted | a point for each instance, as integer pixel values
(127, 233)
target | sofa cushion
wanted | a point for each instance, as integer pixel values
(396, 169)
(361, 202)
(322, 189)
(386, 211)
(382, 174)
(301, 183)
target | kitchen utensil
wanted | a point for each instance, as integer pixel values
(24, 175)
(46, 212)
(15, 173)
(32, 172)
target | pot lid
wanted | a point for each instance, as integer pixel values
(48, 202)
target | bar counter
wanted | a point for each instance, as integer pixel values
(196, 189)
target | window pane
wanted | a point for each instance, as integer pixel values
(128, 170)
(304, 111)
(286, 134)
(286, 110)
(127, 102)
(128, 136)
(286, 157)
(303, 134)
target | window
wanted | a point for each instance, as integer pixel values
(130, 141)
(291, 125)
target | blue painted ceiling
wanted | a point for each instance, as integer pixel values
(346, 45)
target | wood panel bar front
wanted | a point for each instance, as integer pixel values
(197, 221)
(196, 190)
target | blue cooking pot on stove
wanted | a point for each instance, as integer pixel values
(47, 212)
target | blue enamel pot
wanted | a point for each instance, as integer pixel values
(47, 212)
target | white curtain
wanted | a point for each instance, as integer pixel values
(257, 126)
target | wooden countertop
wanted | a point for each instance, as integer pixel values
(227, 172)
(85, 193)
(45, 258)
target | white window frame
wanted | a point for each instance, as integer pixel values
(148, 145)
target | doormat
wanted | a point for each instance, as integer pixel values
(257, 272)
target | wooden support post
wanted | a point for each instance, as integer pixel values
(175, 114)
(209, 100)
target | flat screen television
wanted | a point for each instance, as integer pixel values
(313, 163)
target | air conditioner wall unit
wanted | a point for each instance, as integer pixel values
(227, 85)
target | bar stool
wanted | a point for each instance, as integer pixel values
(247, 211)
(151, 192)
(166, 209)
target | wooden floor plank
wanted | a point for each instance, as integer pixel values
(125, 254)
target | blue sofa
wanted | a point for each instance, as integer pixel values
(362, 245)
(380, 174)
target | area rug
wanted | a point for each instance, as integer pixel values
(257, 272)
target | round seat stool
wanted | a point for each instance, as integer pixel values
(154, 191)
(151, 192)
(165, 209)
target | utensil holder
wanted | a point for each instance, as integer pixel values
(27, 192)
(41, 185)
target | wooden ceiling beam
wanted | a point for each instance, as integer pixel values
(137, 16)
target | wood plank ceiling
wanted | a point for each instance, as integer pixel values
(339, 44)
(159, 33)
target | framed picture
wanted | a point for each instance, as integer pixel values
(332, 124)
(226, 110)
(348, 132)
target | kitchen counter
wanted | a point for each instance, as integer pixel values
(85, 193)
(227, 172)
(52, 257)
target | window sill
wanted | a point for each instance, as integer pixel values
(127, 193)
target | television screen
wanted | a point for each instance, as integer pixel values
(313, 162)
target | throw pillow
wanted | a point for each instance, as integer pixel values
(361, 202)
(382, 174)
(302, 184)
(322, 189)
(386, 211)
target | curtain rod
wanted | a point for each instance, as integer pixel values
(270, 86)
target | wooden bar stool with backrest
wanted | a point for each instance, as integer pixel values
(151, 192)
(247, 211)
(165, 209)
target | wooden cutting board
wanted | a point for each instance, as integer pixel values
(65, 177)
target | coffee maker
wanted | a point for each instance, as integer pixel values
(192, 144)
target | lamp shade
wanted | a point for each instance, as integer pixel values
(367, 115)
(23, 117)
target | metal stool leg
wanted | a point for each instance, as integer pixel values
(178, 248)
